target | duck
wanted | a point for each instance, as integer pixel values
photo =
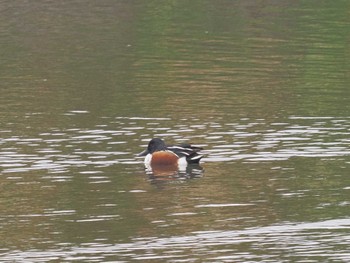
(160, 154)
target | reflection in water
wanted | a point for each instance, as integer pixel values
(164, 173)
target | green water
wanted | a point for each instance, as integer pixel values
(261, 85)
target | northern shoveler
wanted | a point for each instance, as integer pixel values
(159, 154)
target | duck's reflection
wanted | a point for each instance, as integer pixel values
(173, 172)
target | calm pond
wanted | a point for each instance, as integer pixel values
(262, 86)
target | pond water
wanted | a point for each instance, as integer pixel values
(262, 86)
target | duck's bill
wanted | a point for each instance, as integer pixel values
(144, 153)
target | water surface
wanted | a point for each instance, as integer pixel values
(263, 87)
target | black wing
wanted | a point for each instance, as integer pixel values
(188, 151)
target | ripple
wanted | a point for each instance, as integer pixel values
(285, 141)
(247, 139)
(222, 205)
(301, 240)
